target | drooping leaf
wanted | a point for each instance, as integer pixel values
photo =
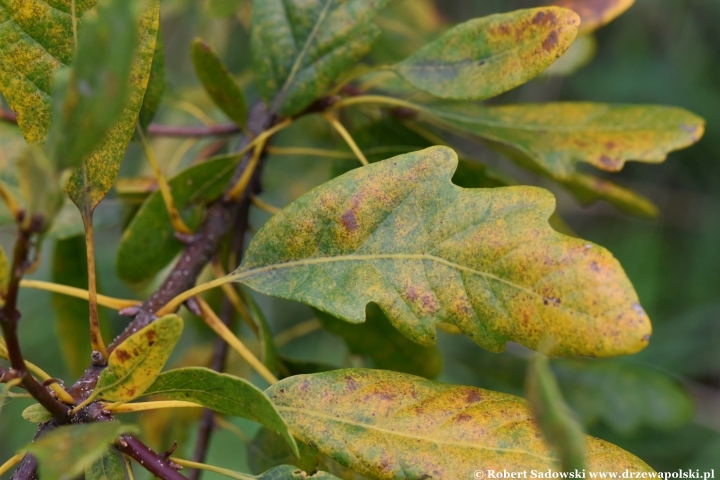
(148, 243)
(36, 413)
(487, 56)
(398, 233)
(623, 395)
(218, 82)
(156, 84)
(588, 189)
(67, 451)
(268, 450)
(387, 347)
(268, 351)
(388, 425)
(135, 364)
(107, 467)
(595, 13)
(557, 422)
(223, 393)
(299, 48)
(90, 182)
(69, 267)
(39, 185)
(553, 137)
(88, 99)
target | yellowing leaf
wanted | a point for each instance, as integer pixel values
(487, 56)
(300, 47)
(595, 13)
(218, 82)
(223, 393)
(36, 413)
(135, 364)
(557, 422)
(553, 137)
(67, 451)
(93, 179)
(398, 233)
(388, 425)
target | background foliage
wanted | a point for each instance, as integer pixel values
(660, 51)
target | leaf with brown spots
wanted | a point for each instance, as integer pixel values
(388, 425)
(135, 364)
(67, 451)
(487, 56)
(300, 47)
(223, 393)
(428, 251)
(595, 13)
(553, 137)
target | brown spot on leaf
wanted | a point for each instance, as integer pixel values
(463, 417)
(122, 355)
(550, 41)
(473, 396)
(349, 221)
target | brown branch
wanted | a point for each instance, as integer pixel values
(9, 317)
(159, 130)
(157, 464)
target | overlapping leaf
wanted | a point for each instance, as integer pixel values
(388, 425)
(36, 413)
(218, 82)
(156, 84)
(223, 393)
(135, 364)
(107, 467)
(148, 243)
(487, 56)
(300, 47)
(595, 13)
(39, 185)
(398, 233)
(67, 451)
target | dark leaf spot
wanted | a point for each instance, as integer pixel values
(551, 41)
(349, 221)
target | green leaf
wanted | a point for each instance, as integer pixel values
(300, 47)
(289, 472)
(485, 57)
(39, 185)
(388, 349)
(222, 8)
(389, 425)
(398, 233)
(135, 364)
(36, 413)
(107, 467)
(268, 449)
(88, 98)
(624, 395)
(156, 84)
(69, 267)
(67, 451)
(551, 138)
(588, 189)
(4, 274)
(268, 351)
(218, 82)
(90, 182)
(557, 422)
(148, 243)
(596, 13)
(223, 393)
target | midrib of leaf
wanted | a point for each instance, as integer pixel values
(298, 61)
(241, 275)
(326, 417)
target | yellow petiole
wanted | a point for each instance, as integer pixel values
(144, 406)
(335, 123)
(105, 301)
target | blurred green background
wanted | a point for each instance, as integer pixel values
(660, 51)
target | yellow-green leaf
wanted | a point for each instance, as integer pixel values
(487, 56)
(89, 97)
(67, 451)
(595, 13)
(4, 274)
(398, 233)
(107, 467)
(389, 425)
(36, 413)
(300, 47)
(223, 393)
(588, 189)
(218, 82)
(553, 137)
(557, 422)
(90, 182)
(39, 185)
(135, 364)
(156, 84)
